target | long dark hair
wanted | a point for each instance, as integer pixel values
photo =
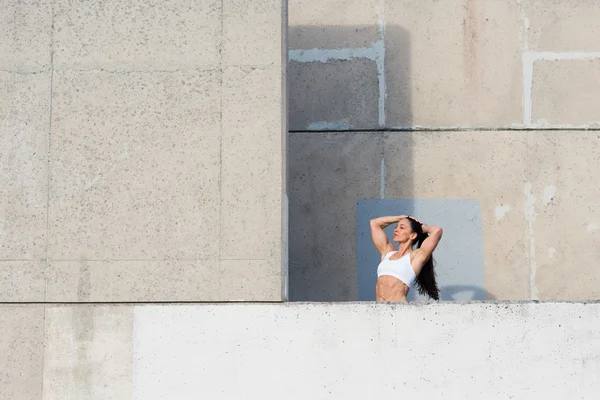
(425, 282)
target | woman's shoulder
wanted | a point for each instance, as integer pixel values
(390, 249)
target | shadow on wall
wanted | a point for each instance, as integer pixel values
(344, 83)
(465, 292)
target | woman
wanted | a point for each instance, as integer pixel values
(399, 269)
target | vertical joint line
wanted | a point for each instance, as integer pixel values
(220, 229)
(49, 176)
(380, 63)
(49, 147)
(382, 180)
(527, 61)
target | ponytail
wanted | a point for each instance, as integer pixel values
(425, 283)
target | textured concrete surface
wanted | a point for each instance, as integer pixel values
(351, 350)
(460, 64)
(25, 116)
(24, 280)
(134, 179)
(22, 349)
(457, 77)
(257, 280)
(147, 148)
(562, 26)
(88, 353)
(566, 228)
(137, 35)
(334, 23)
(251, 164)
(556, 102)
(26, 36)
(253, 32)
(358, 351)
(480, 83)
(164, 280)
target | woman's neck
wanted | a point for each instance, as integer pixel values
(404, 248)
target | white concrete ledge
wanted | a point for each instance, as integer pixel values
(492, 350)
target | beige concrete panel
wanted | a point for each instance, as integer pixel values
(559, 26)
(88, 353)
(334, 24)
(490, 167)
(253, 31)
(566, 229)
(465, 69)
(22, 281)
(135, 166)
(329, 173)
(25, 35)
(251, 164)
(566, 92)
(22, 349)
(25, 116)
(137, 34)
(97, 281)
(251, 280)
(339, 95)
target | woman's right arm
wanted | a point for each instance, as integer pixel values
(380, 239)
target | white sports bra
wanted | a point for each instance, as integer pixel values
(399, 269)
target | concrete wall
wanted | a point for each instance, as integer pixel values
(481, 101)
(299, 351)
(143, 150)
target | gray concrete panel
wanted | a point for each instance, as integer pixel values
(329, 173)
(337, 95)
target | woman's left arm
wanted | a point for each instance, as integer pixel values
(434, 235)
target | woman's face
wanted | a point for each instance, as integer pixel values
(403, 231)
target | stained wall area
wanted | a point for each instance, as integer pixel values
(469, 100)
(143, 150)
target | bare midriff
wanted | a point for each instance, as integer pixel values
(390, 289)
